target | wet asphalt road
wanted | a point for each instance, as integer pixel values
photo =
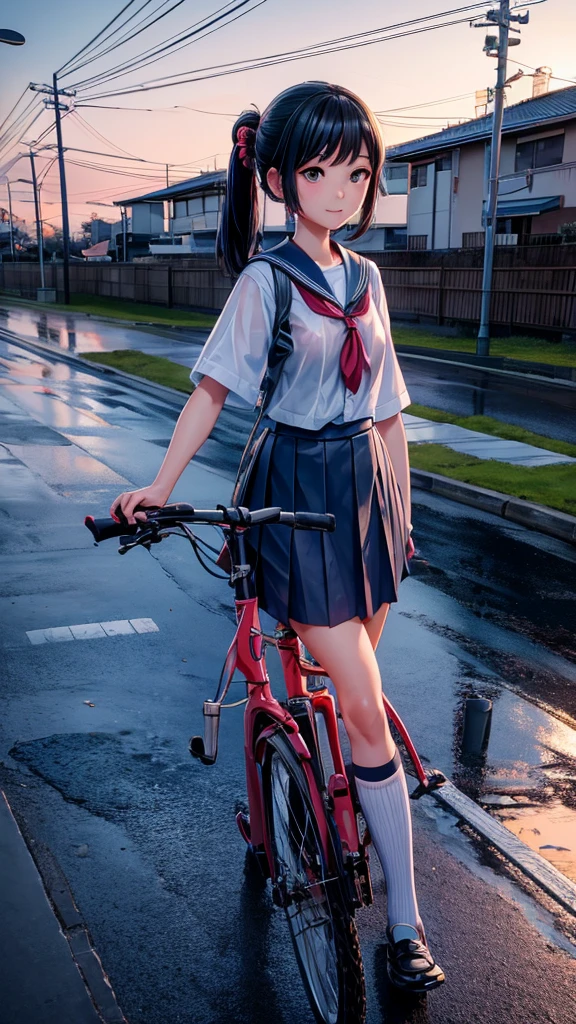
(548, 407)
(146, 836)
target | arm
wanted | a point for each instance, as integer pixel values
(393, 434)
(194, 425)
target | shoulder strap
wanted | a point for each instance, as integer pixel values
(280, 348)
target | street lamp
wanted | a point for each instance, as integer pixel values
(10, 37)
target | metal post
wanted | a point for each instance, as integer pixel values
(63, 194)
(483, 341)
(124, 233)
(12, 253)
(39, 234)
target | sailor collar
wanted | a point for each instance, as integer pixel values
(302, 269)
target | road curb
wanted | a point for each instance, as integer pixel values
(504, 364)
(526, 513)
(536, 867)
(46, 908)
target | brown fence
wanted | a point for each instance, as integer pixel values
(524, 296)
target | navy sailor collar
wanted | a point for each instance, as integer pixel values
(302, 269)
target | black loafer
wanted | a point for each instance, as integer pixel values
(411, 966)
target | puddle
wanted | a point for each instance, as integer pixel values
(548, 829)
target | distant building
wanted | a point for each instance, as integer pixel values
(194, 209)
(537, 185)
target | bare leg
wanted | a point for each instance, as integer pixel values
(346, 653)
(375, 625)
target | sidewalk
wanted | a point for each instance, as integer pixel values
(40, 979)
(482, 446)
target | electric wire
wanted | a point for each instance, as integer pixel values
(98, 52)
(232, 68)
(195, 35)
(10, 112)
(97, 36)
(127, 37)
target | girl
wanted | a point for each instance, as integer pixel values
(334, 439)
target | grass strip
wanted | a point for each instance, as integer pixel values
(153, 368)
(489, 425)
(120, 309)
(554, 486)
(533, 350)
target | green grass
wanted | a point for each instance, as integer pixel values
(554, 486)
(120, 309)
(488, 425)
(153, 368)
(533, 350)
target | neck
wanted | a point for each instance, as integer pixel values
(315, 241)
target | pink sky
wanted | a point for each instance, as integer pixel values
(416, 70)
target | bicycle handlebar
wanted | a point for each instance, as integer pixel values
(172, 515)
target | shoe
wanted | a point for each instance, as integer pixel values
(411, 966)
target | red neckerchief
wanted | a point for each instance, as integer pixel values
(353, 357)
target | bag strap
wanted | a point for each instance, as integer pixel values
(280, 348)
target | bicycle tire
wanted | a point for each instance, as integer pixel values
(327, 947)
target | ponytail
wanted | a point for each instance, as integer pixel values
(238, 234)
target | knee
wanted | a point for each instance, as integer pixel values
(366, 720)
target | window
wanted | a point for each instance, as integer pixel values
(444, 163)
(396, 172)
(419, 176)
(180, 208)
(539, 152)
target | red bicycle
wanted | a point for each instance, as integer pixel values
(302, 826)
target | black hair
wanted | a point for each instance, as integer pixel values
(314, 119)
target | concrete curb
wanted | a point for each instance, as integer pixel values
(536, 867)
(508, 364)
(526, 513)
(60, 961)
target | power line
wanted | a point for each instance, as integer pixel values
(126, 38)
(10, 112)
(222, 70)
(152, 56)
(71, 68)
(97, 36)
(430, 103)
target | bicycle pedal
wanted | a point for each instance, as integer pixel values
(435, 779)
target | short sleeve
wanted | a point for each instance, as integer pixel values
(236, 352)
(393, 395)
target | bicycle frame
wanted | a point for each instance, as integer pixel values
(264, 715)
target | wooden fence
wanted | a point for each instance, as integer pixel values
(524, 297)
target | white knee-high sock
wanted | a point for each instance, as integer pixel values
(384, 799)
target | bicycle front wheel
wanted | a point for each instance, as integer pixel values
(322, 926)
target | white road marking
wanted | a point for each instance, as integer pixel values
(92, 630)
(144, 625)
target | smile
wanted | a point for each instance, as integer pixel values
(333, 211)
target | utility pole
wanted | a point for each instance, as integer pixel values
(39, 234)
(63, 195)
(494, 46)
(12, 252)
(55, 94)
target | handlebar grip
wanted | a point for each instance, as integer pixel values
(315, 521)
(105, 529)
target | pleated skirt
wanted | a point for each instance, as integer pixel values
(326, 578)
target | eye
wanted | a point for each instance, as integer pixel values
(361, 173)
(312, 173)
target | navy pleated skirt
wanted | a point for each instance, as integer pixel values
(326, 578)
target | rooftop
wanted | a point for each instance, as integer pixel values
(559, 105)
(210, 180)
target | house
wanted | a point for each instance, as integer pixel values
(537, 184)
(194, 209)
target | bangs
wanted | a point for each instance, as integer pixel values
(335, 126)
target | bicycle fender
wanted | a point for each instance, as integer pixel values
(300, 748)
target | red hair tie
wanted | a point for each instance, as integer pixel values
(246, 140)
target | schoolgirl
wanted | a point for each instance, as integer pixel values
(333, 437)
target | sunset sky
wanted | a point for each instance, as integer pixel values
(446, 63)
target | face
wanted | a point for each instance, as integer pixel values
(330, 194)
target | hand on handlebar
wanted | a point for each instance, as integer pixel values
(147, 497)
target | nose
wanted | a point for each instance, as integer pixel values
(340, 193)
